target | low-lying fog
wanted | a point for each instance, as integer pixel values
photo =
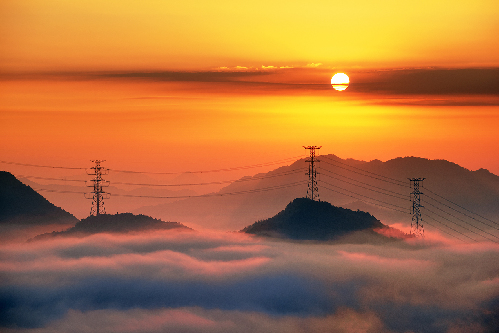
(173, 281)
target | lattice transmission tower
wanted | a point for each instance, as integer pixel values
(416, 224)
(313, 190)
(98, 195)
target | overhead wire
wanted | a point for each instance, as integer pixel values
(426, 221)
(365, 171)
(469, 211)
(443, 217)
(245, 179)
(358, 181)
(351, 196)
(50, 178)
(353, 171)
(455, 217)
(281, 161)
(287, 173)
(391, 195)
(343, 189)
(334, 163)
(43, 166)
(471, 217)
(214, 170)
(265, 189)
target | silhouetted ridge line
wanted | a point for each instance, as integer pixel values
(118, 223)
(351, 176)
(306, 219)
(402, 183)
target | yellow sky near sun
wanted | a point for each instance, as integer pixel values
(90, 34)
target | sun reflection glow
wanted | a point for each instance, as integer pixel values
(340, 87)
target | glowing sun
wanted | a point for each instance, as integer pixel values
(340, 81)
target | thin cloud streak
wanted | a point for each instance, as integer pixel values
(422, 87)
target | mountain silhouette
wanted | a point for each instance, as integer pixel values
(21, 205)
(306, 219)
(118, 223)
(346, 183)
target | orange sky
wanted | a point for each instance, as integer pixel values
(193, 34)
(153, 85)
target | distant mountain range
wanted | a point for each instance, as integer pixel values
(305, 219)
(380, 188)
(119, 223)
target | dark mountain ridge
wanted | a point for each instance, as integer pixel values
(306, 219)
(21, 205)
(118, 223)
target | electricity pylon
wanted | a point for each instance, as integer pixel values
(313, 190)
(98, 192)
(416, 224)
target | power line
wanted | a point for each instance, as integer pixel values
(386, 203)
(265, 189)
(384, 180)
(58, 191)
(426, 221)
(469, 211)
(471, 217)
(443, 217)
(50, 178)
(391, 195)
(463, 221)
(214, 170)
(358, 181)
(166, 173)
(286, 173)
(42, 166)
(351, 196)
(372, 173)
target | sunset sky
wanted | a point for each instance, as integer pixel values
(160, 88)
(190, 85)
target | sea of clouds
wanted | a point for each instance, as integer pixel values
(186, 281)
